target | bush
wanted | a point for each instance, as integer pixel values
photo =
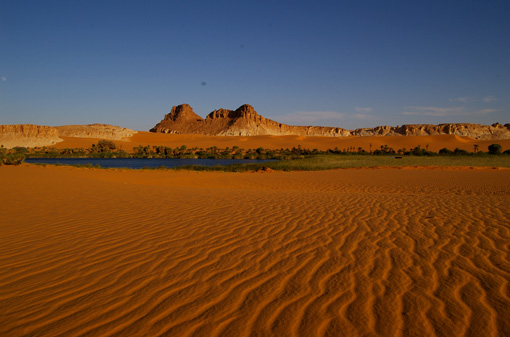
(495, 149)
(445, 151)
(104, 146)
(12, 159)
(20, 149)
(460, 152)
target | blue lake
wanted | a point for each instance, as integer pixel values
(138, 163)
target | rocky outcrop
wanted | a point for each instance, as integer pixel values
(476, 131)
(103, 131)
(28, 135)
(181, 119)
(245, 121)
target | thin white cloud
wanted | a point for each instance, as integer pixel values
(318, 118)
(460, 99)
(443, 112)
(361, 116)
(484, 111)
(310, 117)
(367, 109)
(3, 78)
(432, 111)
(489, 99)
(465, 99)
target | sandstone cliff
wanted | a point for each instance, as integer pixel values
(103, 131)
(476, 131)
(245, 121)
(28, 135)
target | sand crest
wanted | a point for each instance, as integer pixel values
(336, 253)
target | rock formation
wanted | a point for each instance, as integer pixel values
(245, 121)
(476, 131)
(28, 135)
(103, 131)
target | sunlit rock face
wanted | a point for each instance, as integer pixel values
(28, 135)
(103, 131)
(245, 121)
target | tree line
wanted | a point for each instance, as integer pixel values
(108, 149)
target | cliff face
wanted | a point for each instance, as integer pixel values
(28, 135)
(245, 121)
(476, 131)
(103, 131)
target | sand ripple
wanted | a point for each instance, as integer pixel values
(337, 253)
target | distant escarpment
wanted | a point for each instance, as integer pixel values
(30, 135)
(476, 131)
(245, 121)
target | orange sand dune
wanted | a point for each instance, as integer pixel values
(370, 252)
(434, 143)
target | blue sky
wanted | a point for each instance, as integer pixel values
(335, 63)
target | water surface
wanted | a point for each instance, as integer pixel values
(138, 163)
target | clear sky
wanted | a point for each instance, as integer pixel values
(335, 63)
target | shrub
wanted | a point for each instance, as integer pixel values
(106, 145)
(13, 159)
(445, 151)
(495, 149)
(20, 149)
(460, 152)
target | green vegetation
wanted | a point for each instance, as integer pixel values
(108, 149)
(495, 149)
(332, 161)
(14, 156)
(287, 159)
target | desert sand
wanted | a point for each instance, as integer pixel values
(357, 252)
(434, 143)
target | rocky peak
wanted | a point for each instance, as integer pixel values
(244, 110)
(182, 112)
(220, 113)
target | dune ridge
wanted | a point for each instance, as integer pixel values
(336, 253)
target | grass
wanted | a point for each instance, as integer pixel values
(328, 162)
